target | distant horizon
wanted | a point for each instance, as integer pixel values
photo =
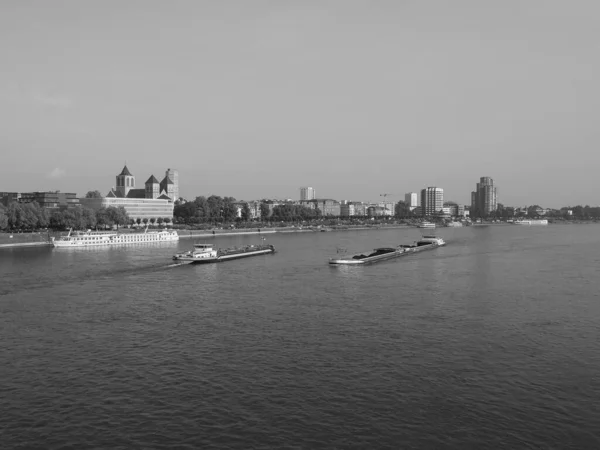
(256, 99)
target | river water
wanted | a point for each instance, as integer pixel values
(490, 342)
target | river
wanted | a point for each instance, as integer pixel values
(490, 342)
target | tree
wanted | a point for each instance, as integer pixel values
(105, 217)
(160, 220)
(3, 220)
(166, 220)
(152, 220)
(246, 212)
(145, 220)
(93, 194)
(265, 211)
(401, 209)
(138, 221)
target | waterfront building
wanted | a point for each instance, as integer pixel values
(307, 193)
(388, 208)
(253, 206)
(484, 198)
(412, 200)
(326, 206)
(6, 198)
(432, 201)
(376, 211)
(352, 209)
(154, 201)
(451, 208)
(51, 200)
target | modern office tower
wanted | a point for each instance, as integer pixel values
(307, 193)
(432, 200)
(484, 199)
(412, 200)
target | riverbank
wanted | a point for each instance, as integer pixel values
(17, 240)
(254, 231)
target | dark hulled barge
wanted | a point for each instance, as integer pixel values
(384, 253)
(204, 253)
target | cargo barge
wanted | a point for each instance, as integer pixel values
(385, 253)
(205, 253)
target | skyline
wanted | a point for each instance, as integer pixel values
(352, 99)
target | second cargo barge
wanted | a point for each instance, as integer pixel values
(384, 253)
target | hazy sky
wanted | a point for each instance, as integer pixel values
(256, 98)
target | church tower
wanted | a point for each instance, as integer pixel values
(166, 187)
(152, 187)
(125, 182)
(174, 176)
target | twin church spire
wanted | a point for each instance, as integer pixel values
(168, 187)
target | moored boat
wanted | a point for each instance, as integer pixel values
(384, 253)
(427, 225)
(531, 222)
(95, 238)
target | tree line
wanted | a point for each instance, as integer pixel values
(31, 216)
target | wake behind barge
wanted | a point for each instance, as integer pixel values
(384, 253)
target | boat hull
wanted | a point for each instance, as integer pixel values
(223, 257)
(124, 239)
(402, 251)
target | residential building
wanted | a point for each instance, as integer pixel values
(253, 206)
(376, 211)
(326, 206)
(388, 208)
(307, 193)
(451, 207)
(412, 200)
(352, 209)
(484, 198)
(432, 201)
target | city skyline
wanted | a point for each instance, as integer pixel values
(272, 96)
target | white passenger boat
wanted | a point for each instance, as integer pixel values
(531, 222)
(94, 238)
(427, 225)
(205, 253)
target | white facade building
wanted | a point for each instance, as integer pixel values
(307, 193)
(412, 200)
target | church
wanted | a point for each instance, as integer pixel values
(155, 200)
(167, 189)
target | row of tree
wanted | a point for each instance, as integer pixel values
(204, 210)
(30, 216)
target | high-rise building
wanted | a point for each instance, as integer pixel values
(484, 200)
(307, 193)
(432, 201)
(412, 200)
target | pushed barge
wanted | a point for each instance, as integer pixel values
(383, 253)
(204, 253)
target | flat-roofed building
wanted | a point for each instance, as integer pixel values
(51, 200)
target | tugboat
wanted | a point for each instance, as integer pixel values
(201, 253)
(205, 253)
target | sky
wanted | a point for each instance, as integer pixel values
(255, 99)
